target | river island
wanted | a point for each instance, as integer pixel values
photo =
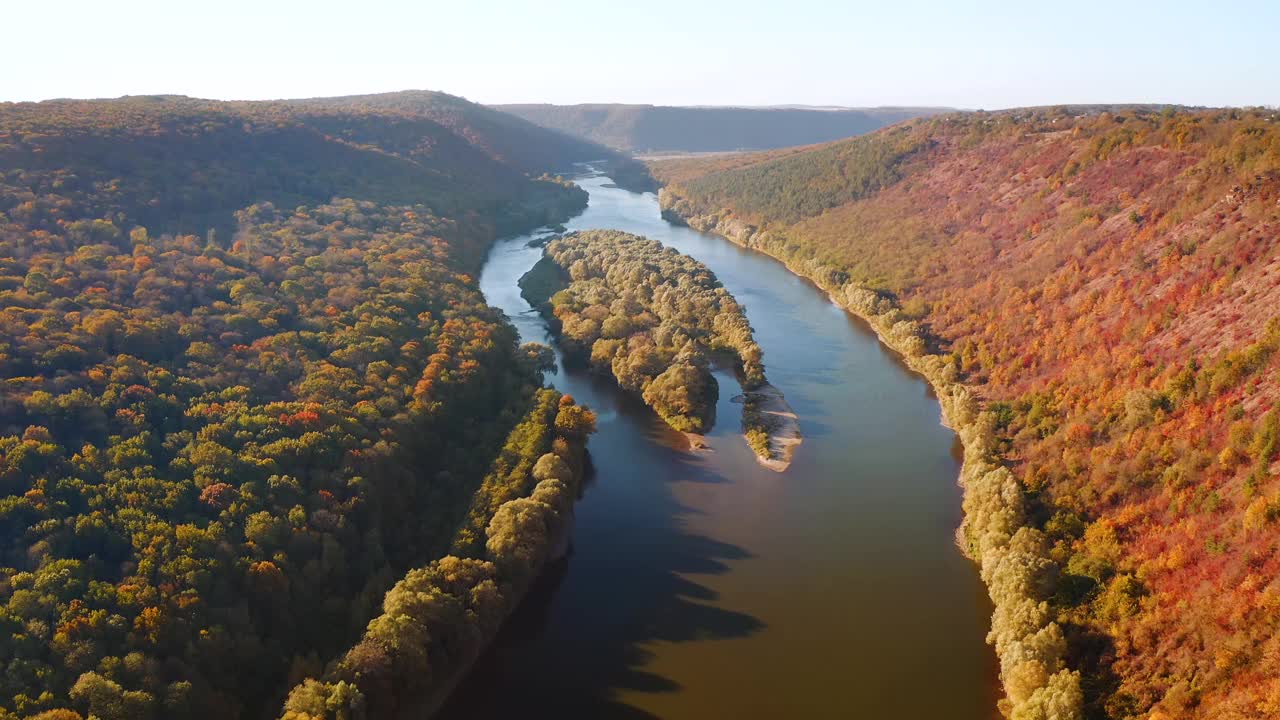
(657, 321)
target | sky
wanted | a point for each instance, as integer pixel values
(950, 53)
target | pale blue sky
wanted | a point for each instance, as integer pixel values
(823, 52)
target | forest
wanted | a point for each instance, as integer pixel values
(266, 452)
(258, 428)
(648, 316)
(1093, 294)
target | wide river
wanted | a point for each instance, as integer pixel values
(703, 585)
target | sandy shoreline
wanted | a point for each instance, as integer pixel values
(696, 442)
(784, 425)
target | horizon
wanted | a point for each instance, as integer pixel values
(1000, 55)
(695, 106)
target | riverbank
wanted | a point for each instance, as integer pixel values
(439, 619)
(558, 547)
(694, 573)
(1012, 555)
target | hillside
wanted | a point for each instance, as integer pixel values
(250, 383)
(508, 139)
(183, 164)
(1094, 294)
(651, 128)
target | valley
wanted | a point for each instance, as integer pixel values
(1091, 290)
(704, 583)
(401, 405)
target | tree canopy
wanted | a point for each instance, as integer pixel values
(1093, 292)
(647, 315)
(249, 384)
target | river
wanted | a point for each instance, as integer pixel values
(703, 585)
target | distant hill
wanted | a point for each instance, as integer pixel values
(650, 128)
(520, 143)
(1093, 291)
(182, 164)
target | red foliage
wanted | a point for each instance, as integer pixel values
(1110, 278)
(219, 495)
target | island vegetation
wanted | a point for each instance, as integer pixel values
(258, 426)
(1093, 294)
(652, 318)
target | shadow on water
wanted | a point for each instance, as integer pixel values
(643, 579)
(703, 585)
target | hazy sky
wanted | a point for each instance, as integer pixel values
(888, 52)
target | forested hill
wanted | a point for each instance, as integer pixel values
(250, 383)
(507, 138)
(184, 165)
(651, 128)
(1096, 294)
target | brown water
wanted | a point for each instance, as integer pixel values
(706, 586)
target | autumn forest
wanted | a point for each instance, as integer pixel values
(252, 397)
(270, 448)
(1093, 293)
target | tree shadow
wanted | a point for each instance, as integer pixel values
(1094, 654)
(583, 633)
